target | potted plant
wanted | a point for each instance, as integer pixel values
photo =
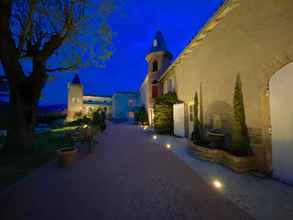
(67, 153)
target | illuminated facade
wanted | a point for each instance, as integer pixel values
(158, 59)
(255, 40)
(79, 105)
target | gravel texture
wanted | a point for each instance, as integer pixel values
(128, 177)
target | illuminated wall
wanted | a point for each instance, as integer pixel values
(253, 38)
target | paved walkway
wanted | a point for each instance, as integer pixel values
(128, 177)
(261, 197)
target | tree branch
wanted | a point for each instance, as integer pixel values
(63, 69)
(8, 50)
(26, 26)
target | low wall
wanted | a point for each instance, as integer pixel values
(237, 164)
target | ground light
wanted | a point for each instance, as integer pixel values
(217, 184)
(155, 137)
(85, 126)
(168, 146)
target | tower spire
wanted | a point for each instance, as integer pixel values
(76, 79)
(159, 44)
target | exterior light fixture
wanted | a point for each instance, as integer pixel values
(168, 146)
(155, 137)
(85, 126)
(145, 127)
(217, 184)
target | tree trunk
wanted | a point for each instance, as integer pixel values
(20, 135)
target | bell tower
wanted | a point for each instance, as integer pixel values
(158, 59)
(75, 99)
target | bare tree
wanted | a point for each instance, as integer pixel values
(39, 32)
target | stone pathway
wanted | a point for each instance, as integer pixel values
(128, 177)
(262, 198)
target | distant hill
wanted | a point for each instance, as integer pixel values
(48, 110)
(52, 109)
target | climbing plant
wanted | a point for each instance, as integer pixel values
(163, 110)
(240, 139)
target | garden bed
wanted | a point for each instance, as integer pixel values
(237, 164)
(14, 167)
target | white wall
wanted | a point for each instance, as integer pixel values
(281, 94)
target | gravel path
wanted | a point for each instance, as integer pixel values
(128, 177)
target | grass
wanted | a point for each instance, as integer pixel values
(15, 167)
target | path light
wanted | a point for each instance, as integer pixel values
(168, 146)
(155, 137)
(217, 184)
(85, 126)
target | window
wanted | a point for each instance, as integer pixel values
(155, 91)
(191, 113)
(170, 85)
(155, 66)
(131, 103)
(75, 100)
(131, 115)
(155, 43)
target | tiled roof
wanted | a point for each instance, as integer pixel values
(218, 16)
(159, 44)
(76, 79)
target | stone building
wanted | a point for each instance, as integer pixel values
(158, 59)
(252, 38)
(79, 104)
(121, 106)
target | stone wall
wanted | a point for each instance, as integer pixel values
(254, 40)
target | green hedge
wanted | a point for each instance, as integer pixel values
(163, 110)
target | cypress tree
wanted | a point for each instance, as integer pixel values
(196, 135)
(240, 139)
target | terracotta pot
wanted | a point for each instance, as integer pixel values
(66, 156)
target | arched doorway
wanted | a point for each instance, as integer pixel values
(281, 104)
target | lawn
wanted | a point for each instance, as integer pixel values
(15, 167)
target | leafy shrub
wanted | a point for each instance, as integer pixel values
(79, 122)
(99, 120)
(141, 116)
(163, 111)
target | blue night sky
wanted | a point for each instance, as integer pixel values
(178, 20)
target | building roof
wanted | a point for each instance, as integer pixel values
(226, 7)
(98, 103)
(76, 79)
(95, 95)
(159, 44)
(126, 93)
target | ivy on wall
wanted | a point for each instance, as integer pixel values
(163, 110)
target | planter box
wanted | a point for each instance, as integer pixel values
(237, 164)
